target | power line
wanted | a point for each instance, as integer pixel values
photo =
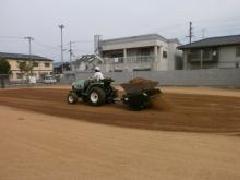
(11, 37)
(45, 46)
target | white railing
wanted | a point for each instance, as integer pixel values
(128, 64)
(131, 59)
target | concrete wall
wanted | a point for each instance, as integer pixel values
(212, 77)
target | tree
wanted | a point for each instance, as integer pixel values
(5, 69)
(26, 67)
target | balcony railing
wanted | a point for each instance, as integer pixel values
(131, 59)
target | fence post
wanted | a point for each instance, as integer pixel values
(2, 81)
(201, 61)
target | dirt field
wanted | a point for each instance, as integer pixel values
(42, 137)
(194, 113)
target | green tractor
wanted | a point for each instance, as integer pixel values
(95, 93)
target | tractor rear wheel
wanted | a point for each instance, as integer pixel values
(97, 97)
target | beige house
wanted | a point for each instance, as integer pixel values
(42, 66)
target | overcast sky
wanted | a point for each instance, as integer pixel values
(110, 18)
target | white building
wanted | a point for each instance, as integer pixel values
(150, 52)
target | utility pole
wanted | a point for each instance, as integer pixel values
(29, 38)
(61, 26)
(203, 33)
(70, 53)
(190, 33)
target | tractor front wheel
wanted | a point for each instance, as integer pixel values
(72, 98)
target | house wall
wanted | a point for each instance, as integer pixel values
(173, 55)
(132, 44)
(227, 57)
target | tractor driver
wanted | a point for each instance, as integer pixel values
(98, 75)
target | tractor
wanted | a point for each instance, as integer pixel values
(137, 96)
(95, 93)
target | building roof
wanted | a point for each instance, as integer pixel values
(214, 42)
(88, 59)
(138, 38)
(21, 56)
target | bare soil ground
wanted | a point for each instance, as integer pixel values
(42, 137)
(217, 91)
(187, 112)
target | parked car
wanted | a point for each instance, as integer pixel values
(49, 79)
(32, 79)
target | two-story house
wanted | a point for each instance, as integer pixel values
(214, 52)
(42, 66)
(150, 52)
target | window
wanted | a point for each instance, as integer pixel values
(47, 65)
(238, 51)
(194, 54)
(35, 64)
(165, 54)
(19, 75)
(207, 53)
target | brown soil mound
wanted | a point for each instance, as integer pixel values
(138, 84)
(139, 80)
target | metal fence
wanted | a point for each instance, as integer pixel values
(4, 80)
(7, 81)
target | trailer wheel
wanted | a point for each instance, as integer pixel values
(97, 97)
(138, 102)
(72, 98)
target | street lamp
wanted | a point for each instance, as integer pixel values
(61, 26)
